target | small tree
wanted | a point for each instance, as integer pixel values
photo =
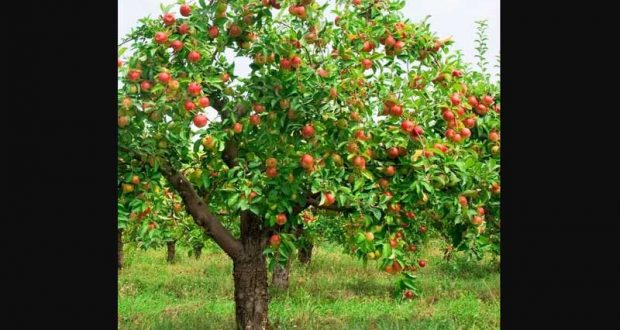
(366, 115)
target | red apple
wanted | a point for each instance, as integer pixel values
(393, 153)
(422, 263)
(329, 199)
(194, 88)
(255, 119)
(417, 131)
(281, 219)
(189, 105)
(390, 170)
(204, 102)
(407, 126)
(494, 136)
(487, 100)
(448, 115)
(481, 109)
(145, 85)
(366, 64)
(237, 128)
(285, 64)
(465, 132)
(168, 19)
(271, 172)
(193, 56)
(183, 28)
(463, 200)
(307, 161)
(469, 122)
(274, 240)
(177, 45)
(359, 162)
(455, 99)
(164, 77)
(200, 120)
(473, 101)
(185, 10)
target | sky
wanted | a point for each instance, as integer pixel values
(454, 18)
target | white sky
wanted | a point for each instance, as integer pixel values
(448, 17)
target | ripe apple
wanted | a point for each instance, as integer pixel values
(161, 37)
(234, 31)
(465, 132)
(473, 101)
(274, 240)
(259, 108)
(407, 126)
(183, 28)
(390, 170)
(423, 229)
(469, 122)
(481, 109)
(448, 115)
(194, 89)
(164, 77)
(410, 215)
(168, 19)
(383, 183)
(463, 200)
(204, 102)
(208, 142)
(225, 77)
(398, 46)
(284, 104)
(193, 56)
(307, 161)
(396, 111)
(255, 119)
(457, 74)
(322, 73)
(127, 188)
(329, 199)
(486, 100)
(457, 138)
(359, 162)
(281, 219)
(177, 45)
(133, 75)
(295, 62)
(476, 220)
(450, 133)
(389, 41)
(189, 105)
(200, 120)
(417, 131)
(408, 294)
(237, 128)
(422, 263)
(393, 153)
(271, 162)
(369, 236)
(271, 172)
(368, 46)
(366, 64)
(395, 207)
(145, 85)
(455, 99)
(213, 32)
(123, 121)
(185, 10)
(307, 131)
(494, 136)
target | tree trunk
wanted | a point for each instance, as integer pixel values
(281, 275)
(171, 251)
(250, 275)
(305, 254)
(197, 251)
(119, 240)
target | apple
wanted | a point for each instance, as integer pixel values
(168, 19)
(307, 131)
(390, 170)
(393, 153)
(194, 88)
(450, 133)
(123, 121)
(176, 45)
(457, 138)
(208, 142)
(259, 108)
(204, 102)
(407, 126)
(423, 229)
(285, 64)
(368, 46)
(164, 77)
(355, 116)
(281, 219)
(357, 2)
(200, 120)
(145, 85)
(481, 109)
(183, 28)
(161, 37)
(455, 99)
(389, 269)
(333, 93)
(465, 132)
(120, 63)
(329, 199)
(417, 131)
(395, 207)
(463, 200)
(448, 115)
(422, 263)
(360, 135)
(457, 74)
(473, 101)
(486, 100)
(495, 150)
(366, 64)
(476, 220)
(271, 172)
(359, 162)
(307, 161)
(389, 41)
(469, 122)
(396, 110)
(410, 215)
(295, 61)
(460, 111)
(408, 294)
(322, 72)
(237, 128)
(234, 31)
(494, 136)
(193, 56)
(185, 10)
(398, 46)
(135, 179)
(337, 160)
(271, 162)
(274, 240)
(189, 105)
(127, 188)
(393, 243)
(383, 183)
(134, 75)
(255, 119)
(225, 77)
(369, 236)
(440, 147)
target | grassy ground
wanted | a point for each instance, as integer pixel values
(333, 292)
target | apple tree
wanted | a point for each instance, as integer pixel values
(345, 114)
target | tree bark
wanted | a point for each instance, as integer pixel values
(171, 245)
(250, 275)
(281, 275)
(119, 240)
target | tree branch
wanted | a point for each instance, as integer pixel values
(198, 208)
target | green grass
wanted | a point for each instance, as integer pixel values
(334, 292)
